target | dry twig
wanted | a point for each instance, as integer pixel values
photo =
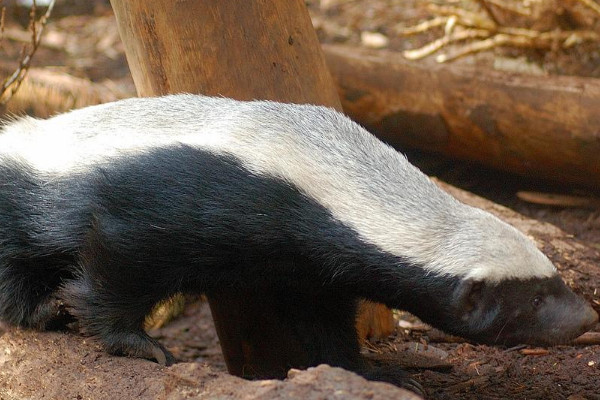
(11, 84)
(482, 31)
(534, 352)
(513, 8)
(424, 26)
(434, 46)
(466, 17)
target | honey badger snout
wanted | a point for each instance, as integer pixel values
(567, 319)
(537, 311)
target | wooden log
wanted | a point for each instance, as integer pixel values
(264, 49)
(547, 127)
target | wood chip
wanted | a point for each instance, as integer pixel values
(534, 352)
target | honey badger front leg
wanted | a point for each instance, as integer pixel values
(111, 300)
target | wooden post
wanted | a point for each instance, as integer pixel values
(260, 49)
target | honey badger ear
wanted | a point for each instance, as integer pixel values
(468, 295)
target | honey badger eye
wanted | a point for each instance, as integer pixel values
(537, 301)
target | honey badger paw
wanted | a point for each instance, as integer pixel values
(395, 376)
(50, 315)
(137, 344)
(115, 320)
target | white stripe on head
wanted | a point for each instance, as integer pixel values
(364, 183)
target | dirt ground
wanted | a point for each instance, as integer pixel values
(83, 42)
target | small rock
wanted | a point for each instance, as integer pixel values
(292, 373)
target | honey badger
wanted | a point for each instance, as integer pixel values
(113, 208)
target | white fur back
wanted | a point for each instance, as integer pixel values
(364, 183)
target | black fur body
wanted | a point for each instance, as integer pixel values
(105, 243)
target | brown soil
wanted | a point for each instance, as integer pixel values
(66, 365)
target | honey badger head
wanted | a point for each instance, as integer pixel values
(511, 293)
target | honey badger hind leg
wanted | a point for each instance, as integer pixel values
(51, 314)
(111, 302)
(28, 293)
